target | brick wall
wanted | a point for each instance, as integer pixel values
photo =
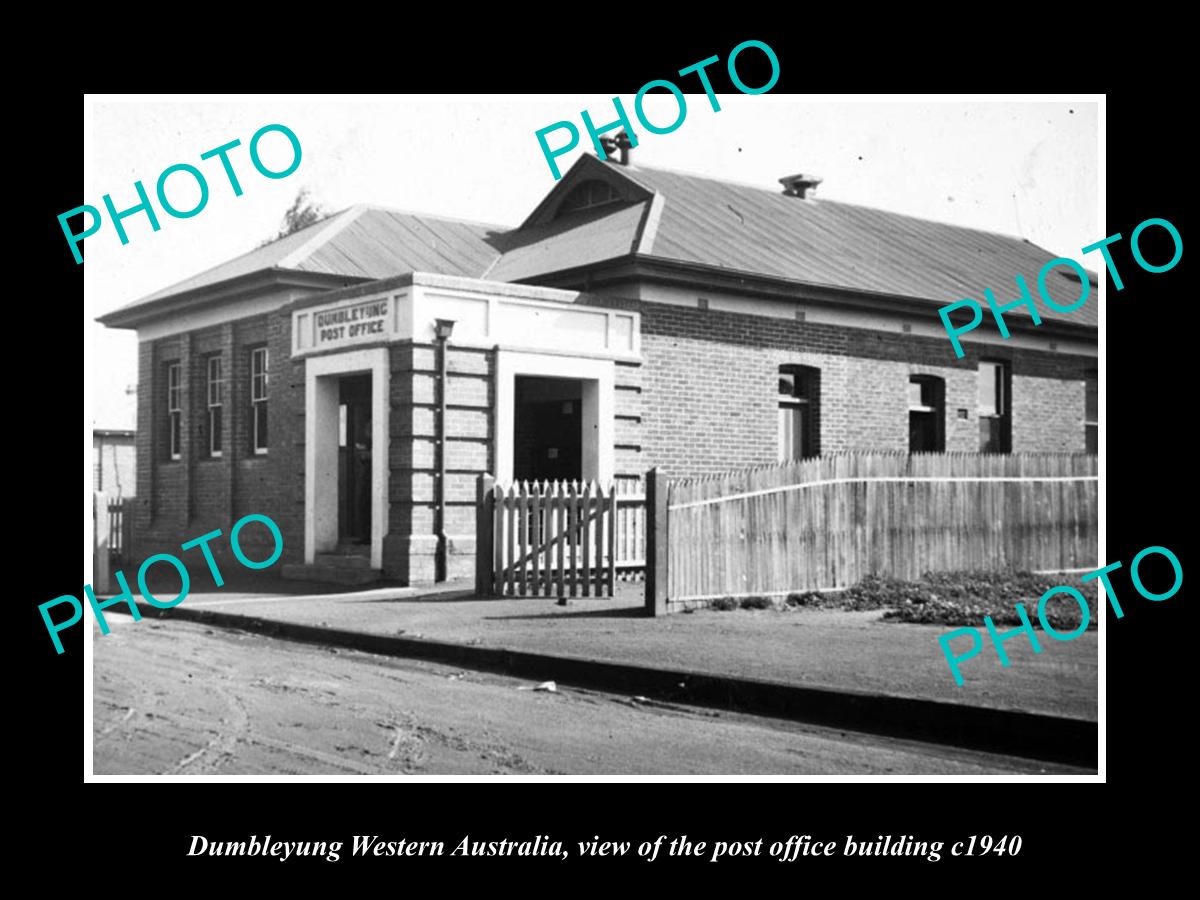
(179, 500)
(708, 398)
(705, 400)
(210, 479)
(629, 434)
(1047, 413)
(411, 545)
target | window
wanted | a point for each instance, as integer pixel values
(926, 414)
(799, 412)
(1091, 413)
(174, 411)
(258, 399)
(995, 414)
(216, 401)
(587, 195)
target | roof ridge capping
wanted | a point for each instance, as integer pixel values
(379, 207)
(318, 238)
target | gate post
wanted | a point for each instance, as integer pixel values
(101, 520)
(126, 530)
(485, 502)
(656, 542)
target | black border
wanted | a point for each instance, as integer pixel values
(1147, 476)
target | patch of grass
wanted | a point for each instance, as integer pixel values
(957, 598)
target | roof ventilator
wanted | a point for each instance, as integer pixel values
(802, 186)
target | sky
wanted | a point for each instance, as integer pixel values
(1021, 168)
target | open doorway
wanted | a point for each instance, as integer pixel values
(354, 461)
(345, 454)
(547, 428)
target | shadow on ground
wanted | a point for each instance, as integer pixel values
(630, 612)
(420, 598)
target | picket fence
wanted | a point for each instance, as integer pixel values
(558, 538)
(118, 530)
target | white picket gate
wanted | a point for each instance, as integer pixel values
(558, 538)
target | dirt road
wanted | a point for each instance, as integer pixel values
(183, 699)
(832, 648)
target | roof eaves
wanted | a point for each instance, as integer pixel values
(168, 291)
(672, 268)
(131, 317)
(363, 288)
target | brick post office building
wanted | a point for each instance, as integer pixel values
(636, 318)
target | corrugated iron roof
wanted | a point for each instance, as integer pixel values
(361, 242)
(381, 242)
(748, 230)
(574, 240)
(757, 231)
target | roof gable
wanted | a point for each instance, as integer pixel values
(590, 236)
(586, 168)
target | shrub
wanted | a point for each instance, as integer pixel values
(807, 598)
(953, 598)
(963, 598)
(757, 603)
(724, 604)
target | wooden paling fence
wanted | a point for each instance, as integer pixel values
(827, 522)
(118, 531)
(110, 537)
(557, 538)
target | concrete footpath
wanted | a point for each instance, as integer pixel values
(846, 669)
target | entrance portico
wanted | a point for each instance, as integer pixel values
(528, 367)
